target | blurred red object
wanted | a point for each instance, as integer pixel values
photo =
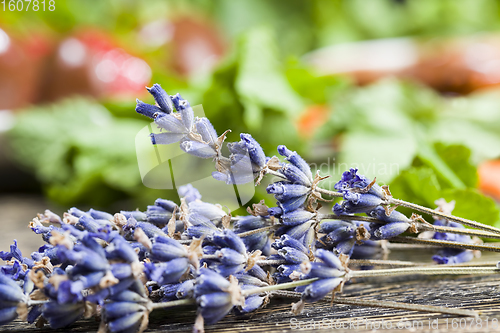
(489, 178)
(197, 46)
(90, 63)
(313, 117)
(21, 63)
(453, 65)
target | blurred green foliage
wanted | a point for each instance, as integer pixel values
(432, 143)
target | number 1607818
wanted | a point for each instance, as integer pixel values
(27, 5)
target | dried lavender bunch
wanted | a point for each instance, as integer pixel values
(121, 267)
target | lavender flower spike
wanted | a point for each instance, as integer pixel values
(162, 98)
(216, 296)
(329, 272)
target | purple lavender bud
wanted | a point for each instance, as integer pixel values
(287, 191)
(168, 272)
(230, 257)
(292, 255)
(176, 100)
(351, 180)
(119, 248)
(62, 315)
(457, 258)
(185, 290)
(340, 234)
(296, 232)
(217, 299)
(150, 229)
(88, 223)
(76, 212)
(295, 175)
(128, 296)
(296, 217)
(137, 215)
(198, 149)
(296, 160)
(226, 270)
(328, 226)
(13, 253)
(329, 259)
(33, 315)
(166, 252)
(319, 289)
(197, 231)
(121, 271)
(85, 258)
(161, 97)
(206, 130)
(252, 302)
(345, 247)
(168, 205)
(389, 230)
(237, 148)
(8, 314)
(322, 271)
(10, 291)
(379, 213)
(338, 209)
(249, 222)
(100, 215)
(170, 123)
(229, 239)
(128, 323)
(189, 193)
(209, 281)
(120, 309)
(287, 241)
(292, 204)
(210, 211)
(168, 292)
(166, 138)
(284, 272)
(254, 149)
(275, 211)
(256, 276)
(147, 110)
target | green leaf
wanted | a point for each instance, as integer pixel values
(417, 185)
(260, 77)
(376, 154)
(450, 162)
(473, 205)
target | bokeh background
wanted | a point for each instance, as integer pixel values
(407, 91)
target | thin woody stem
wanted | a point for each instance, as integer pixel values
(277, 287)
(270, 262)
(448, 217)
(424, 271)
(363, 262)
(387, 304)
(330, 193)
(171, 304)
(442, 243)
(460, 231)
(256, 231)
